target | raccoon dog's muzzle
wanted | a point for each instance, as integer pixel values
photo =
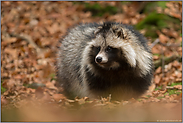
(101, 58)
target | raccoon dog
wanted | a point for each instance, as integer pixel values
(96, 60)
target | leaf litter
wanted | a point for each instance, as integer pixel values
(30, 34)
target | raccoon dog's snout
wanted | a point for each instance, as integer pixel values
(101, 58)
(98, 59)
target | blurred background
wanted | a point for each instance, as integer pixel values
(30, 34)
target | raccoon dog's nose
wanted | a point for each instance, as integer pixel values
(99, 59)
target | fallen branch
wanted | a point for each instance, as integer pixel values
(28, 39)
(154, 43)
(166, 45)
(167, 60)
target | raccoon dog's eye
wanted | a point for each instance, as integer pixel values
(98, 48)
(109, 49)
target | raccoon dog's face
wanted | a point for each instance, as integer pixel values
(115, 46)
(105, 51)
(106, 56)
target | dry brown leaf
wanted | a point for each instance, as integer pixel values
(51, 85)
(163, 38)
(19, 76)
(151, 88)
(81, 101)
(157, 79)
(11, 83)
(178, 79)
(58, 97)
(178, 87)
(53, 28)
(179, 97)
(158, 70)
(47, 54)
(155, 57)
(155, 100)
(157, 49)
(4, 101)
(9, 66)
(9, 40)
(176, 64)
(12, 52)
(30, 90)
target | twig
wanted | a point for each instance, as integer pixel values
(166, 45)
(28, 39)
(163, 61)
(167, 60)
(170, 45)
(154, 43)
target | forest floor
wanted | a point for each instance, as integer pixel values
(30, 33)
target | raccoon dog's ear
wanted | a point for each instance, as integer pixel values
(118, 32)
(97, 30)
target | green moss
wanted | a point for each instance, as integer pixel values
(139, 100)
(155, 54)
(148, 96)
(181, 43)
(34, 85)
(174, 91)
(177, 83)
(156, 21)
(53, 76)
(160, 97)
(151, 6)
(98, 10)
(170, 91)
(153, 19)
(158, 88)
(162, 4)
(2, 88)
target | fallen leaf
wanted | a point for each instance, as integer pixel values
(163, 38)
(178, 87)
(179, 97)
(10, 83)
(176, 64)
(9, 40)
(157, 79)
(158, 70)
(151, 88)
(19, 76)
(4, 101)
(58, 97)
(12, 52)
(51, 85)
(155, 57)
